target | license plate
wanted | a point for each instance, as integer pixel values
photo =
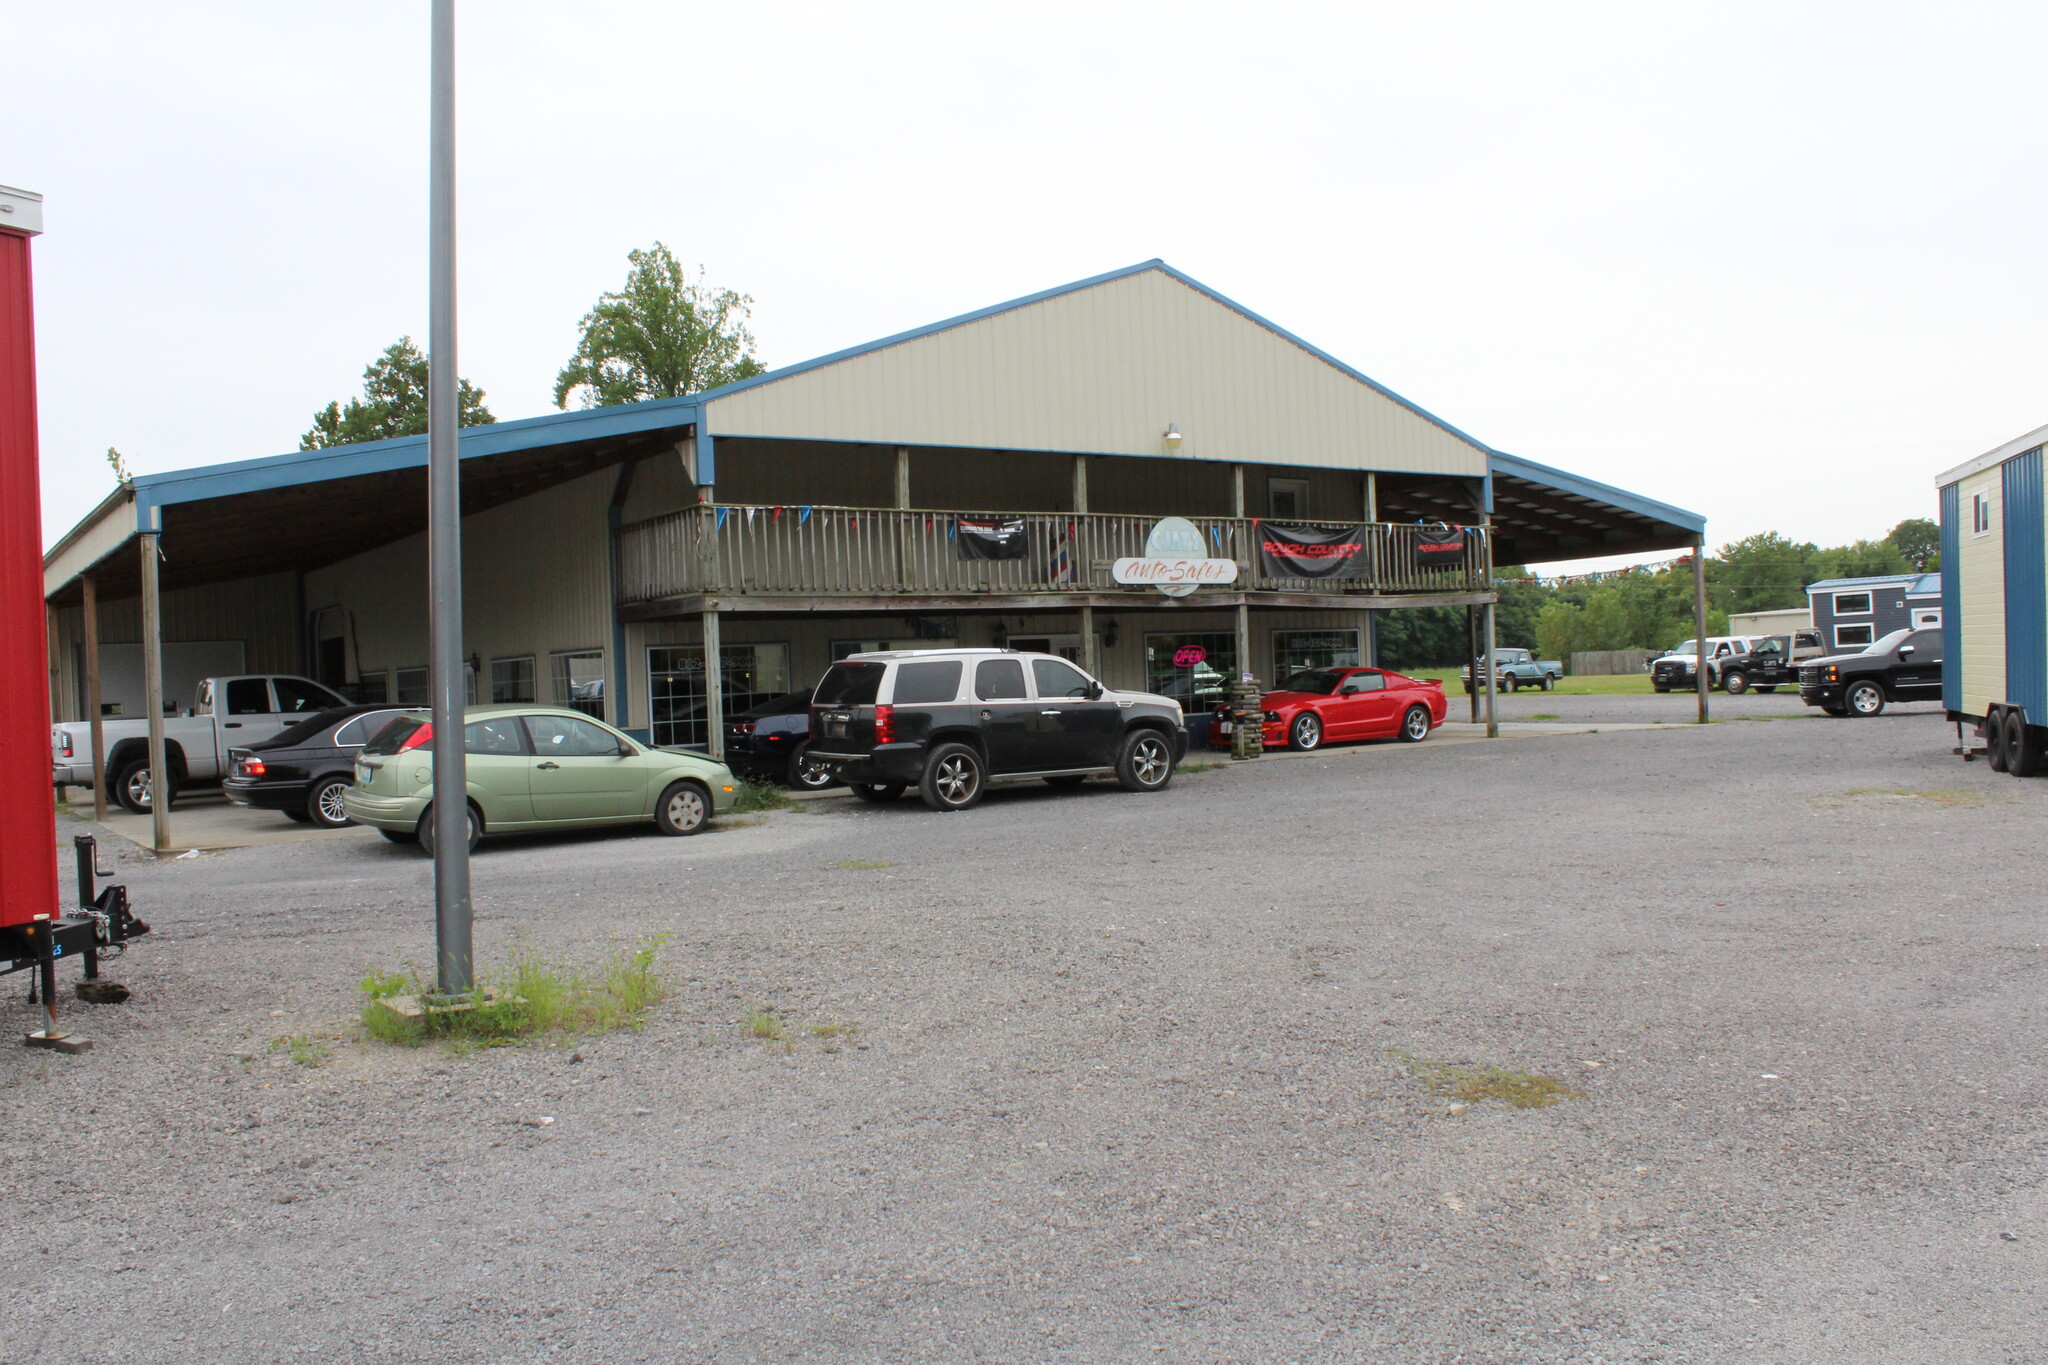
(364, 772)
(1224, 727)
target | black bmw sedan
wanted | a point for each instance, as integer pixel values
(773, 741)
(304, 770)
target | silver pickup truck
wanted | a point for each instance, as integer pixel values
(230, 713)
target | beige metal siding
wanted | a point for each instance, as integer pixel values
(536, 577)
(1981, 595)
(92, 540)
(259, 612)
(1105, 369)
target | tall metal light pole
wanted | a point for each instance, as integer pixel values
(453, 959)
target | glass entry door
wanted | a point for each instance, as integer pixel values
(750, 675)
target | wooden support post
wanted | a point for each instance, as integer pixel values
(903, 477)
(1237, 491)
(1472, 658)
(1699, 623)
(1244, 641)
(1366, 648)
(714, 688)
(153, 694)
(1090, 664)
(1492, 682)
(905, 549)
(1372, 496)
(1081, 484)
(91, 585)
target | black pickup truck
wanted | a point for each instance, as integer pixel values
(1770, 663)
(1902, 666)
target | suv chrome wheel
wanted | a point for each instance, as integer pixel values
(1146, 763)
(952, 778)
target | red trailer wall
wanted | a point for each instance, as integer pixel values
(28, 824)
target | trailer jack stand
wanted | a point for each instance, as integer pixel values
(101, 923)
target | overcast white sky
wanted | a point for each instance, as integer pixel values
(1777, 263)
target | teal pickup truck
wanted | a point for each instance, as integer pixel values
(1515, 669)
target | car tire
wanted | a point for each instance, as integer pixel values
(424, 831)
(684, 808)
(1414, 725)
(954, 778)
(876, 793)
(323, 804)
(2022, 746)
(1305, 732)
(131, 787)
(808, 775)
(1145, 762)
(1548, 682)
(1735, 682)
(400, 836)
(1863, 699)
(1512, 683)
(1067, 780)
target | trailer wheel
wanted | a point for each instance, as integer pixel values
(1994, 740)
(2022, 746)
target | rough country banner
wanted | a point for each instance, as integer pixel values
(989, 537)
(1305, 552)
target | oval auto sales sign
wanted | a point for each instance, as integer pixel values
(1176, 560)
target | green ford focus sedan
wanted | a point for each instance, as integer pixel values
(534, 768)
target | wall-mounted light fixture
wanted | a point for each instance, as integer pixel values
(1109, 632)
(1172, 437)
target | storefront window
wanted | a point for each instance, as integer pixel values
(1195, 669)
(1297, 650)
(675, 686)
(512, 680)
(577, 679)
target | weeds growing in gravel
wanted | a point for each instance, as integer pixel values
(1470, 1084)
(531, 998)
(765, 1023)
(862, 865)
(755, 795)
(303, 1051)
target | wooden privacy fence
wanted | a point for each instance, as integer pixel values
(1586, 662)
(863, 551)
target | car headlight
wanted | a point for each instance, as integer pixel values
(1272, 715)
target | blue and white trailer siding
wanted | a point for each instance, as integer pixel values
(1994, 599)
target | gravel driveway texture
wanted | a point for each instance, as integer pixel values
(1126, 1085)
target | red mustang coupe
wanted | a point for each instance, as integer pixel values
(1315, 707)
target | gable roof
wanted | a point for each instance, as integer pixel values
(1103, 366)
(1917, 584)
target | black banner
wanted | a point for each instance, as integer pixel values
(1439, 545)
(989, 537)
(1306, 552)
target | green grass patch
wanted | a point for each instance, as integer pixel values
(1590, 685)
(770, 1026)
(755, 795)
(1544, 715)
(862, 865)
(1468, 1083)
(302, 1050)
(532, 998)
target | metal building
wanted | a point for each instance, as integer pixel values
(1994, 599)
(814, 510)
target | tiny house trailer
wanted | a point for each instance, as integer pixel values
(1994, 603)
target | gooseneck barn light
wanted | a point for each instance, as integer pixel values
(1172, 437)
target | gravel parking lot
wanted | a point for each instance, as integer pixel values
(1137, 1078)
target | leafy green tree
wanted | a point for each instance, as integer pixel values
(394, 403)
(1919, 540)
(1763, 572)
(662, 336)
(1860, 559)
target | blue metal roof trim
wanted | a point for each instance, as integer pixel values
(1516, 467)
(404, 452)
(932, 329)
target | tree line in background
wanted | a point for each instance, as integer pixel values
(1652, 609)
(661, 336)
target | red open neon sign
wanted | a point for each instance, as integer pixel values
(1187, 656)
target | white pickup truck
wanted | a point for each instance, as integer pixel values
(230, 713)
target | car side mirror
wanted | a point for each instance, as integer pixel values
(1093, 692)
(1907, 649)
(1347, 689)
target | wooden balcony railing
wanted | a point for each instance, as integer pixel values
(864, 551)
